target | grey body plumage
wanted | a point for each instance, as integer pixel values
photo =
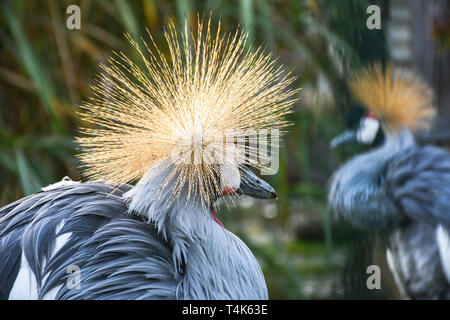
(122, 254)
(414, 259)
(402, 190)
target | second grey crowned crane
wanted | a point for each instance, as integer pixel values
(400, 188)
(177, 127)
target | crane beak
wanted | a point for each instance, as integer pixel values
(253, 186)
(347, 137)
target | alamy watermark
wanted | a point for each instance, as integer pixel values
(374, 20)
(73, 21)
(232, 147)
(374, 280)
(74, 279)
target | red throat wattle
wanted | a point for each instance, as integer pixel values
(228, 191)
(215, 218)
(371, 115)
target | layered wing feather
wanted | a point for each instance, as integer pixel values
(418, 180)
(120, 256)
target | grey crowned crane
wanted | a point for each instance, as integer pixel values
(183, 123)
(399, 188)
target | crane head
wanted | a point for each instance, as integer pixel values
(393, 99)
(182, 113)
(364, 129)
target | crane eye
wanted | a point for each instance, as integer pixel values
(368, 129)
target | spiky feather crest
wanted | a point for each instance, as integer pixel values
(210, 85)
(398, 97)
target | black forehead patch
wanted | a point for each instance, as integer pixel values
(354, 115)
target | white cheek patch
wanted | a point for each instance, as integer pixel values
(229, 177)
(368, 130)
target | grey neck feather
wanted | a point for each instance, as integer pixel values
(357, 191)
(211, 262)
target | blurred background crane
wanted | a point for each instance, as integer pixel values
(46, 68)
(399, 189)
